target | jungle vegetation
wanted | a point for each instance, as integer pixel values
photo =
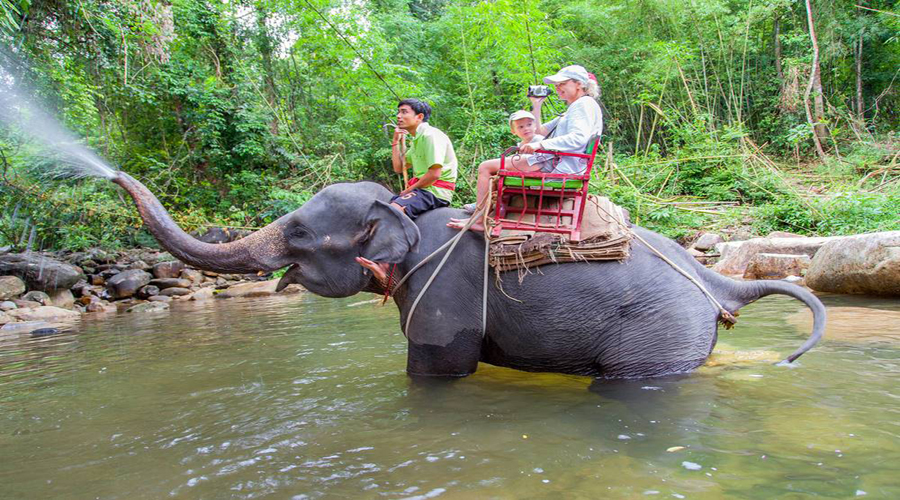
(754, 114)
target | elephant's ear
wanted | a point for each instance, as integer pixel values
(391, 234)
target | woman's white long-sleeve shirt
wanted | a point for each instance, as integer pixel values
(570, 133)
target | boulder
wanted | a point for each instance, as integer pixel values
(707, 241)
(256, 289)
(138, 264)
(193, 275)
(148, 307)
(98, 255)
(11, 287)
(36, 296)
(221, 235)
(735, 255)
(783, 234)
(695, 253)
(202, 294)
(774, 266)
(39, 271)
(866, 264)
(174, 291)
(147, 291)
(43, 313)
(170, 269)
(62, 298)
(160, 298)
(163, 283)
(26, 304)
(7, 305)
(126, 283)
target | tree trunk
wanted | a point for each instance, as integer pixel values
(776, 38)
(860, 105)
(264, 45)
(815, 83)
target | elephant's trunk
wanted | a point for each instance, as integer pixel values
(753, 290)
(260, 251)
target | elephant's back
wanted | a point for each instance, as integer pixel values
(638, 317)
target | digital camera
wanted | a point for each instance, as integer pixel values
(538, 91)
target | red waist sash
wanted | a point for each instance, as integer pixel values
(438, 183)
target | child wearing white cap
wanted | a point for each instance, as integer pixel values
(522, 125)
(568, 133)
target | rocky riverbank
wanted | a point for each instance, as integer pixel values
(41, 290)
(864, 264)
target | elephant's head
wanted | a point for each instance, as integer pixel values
(319, 240)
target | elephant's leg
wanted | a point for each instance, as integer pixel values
(456, 359)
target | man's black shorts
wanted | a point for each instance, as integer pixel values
(419, 201)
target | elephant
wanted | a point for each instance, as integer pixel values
(637, 318)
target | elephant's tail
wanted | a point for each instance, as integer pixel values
(761, 288)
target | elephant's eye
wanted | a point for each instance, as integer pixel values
(299, 234)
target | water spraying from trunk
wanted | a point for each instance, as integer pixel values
(21, 113)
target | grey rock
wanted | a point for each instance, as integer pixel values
(148, 307)
(37, 296)
(7, 305)
(707, 241)
(160, 298)
(195, 276)
(109, 272)
(43, 332)
(174, 291)
(126, 283)
(139, 264)
(203, 294)
(867, 264)
(43, 313)
(103, 256)
(148, 291)
(40, 272)
(773, 266)
(164, 283)
(221, 235)
(170, 269)
(737, 254)
(62, 298)
(695, 253)
(784, 234)
(11, 287)
(26, 304)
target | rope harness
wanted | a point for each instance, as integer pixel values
(725, 317)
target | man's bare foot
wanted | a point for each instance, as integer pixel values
(379, 269)
(459, 224)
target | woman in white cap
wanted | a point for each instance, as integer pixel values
(567, 133)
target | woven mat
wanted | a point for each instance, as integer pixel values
(605, 236)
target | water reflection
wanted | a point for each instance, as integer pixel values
(307, 398)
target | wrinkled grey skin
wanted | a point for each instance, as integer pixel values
(638, 318)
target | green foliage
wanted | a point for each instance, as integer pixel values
(235, 113)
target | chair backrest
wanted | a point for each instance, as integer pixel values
(595, 139)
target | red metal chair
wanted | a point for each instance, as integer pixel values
(543, 186)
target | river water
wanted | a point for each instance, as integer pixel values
(304, 397)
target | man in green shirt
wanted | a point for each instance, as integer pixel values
(430, 156)
(433, 163)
